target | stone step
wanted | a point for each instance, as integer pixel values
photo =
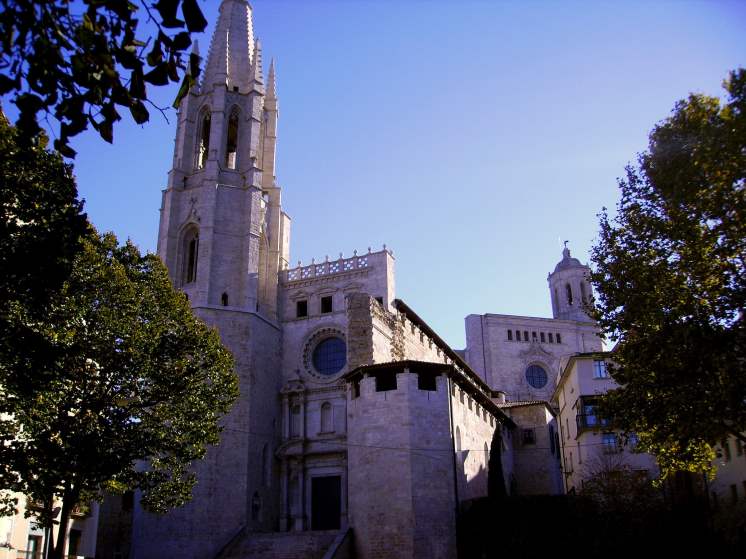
(281, 545)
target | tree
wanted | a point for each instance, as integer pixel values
(78, 62)
(616, 486)
(128, 394)
(41, 222)
(670, 273)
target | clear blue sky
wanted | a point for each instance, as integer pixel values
(468, 136)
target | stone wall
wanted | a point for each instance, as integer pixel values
(502, 362)
(536, 457)
(474, 427)
(400, 456)
(232, 472)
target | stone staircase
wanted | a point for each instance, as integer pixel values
(280, 545)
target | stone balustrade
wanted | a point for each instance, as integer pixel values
(330, 267)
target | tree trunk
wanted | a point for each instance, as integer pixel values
(70, 498)
(48, 525)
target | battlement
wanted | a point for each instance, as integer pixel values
(333, 267)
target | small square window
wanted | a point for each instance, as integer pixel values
(301, 309)
(461, 395)
(529, 436)
(426, 382)
(326, 304)
(468, 401)
(385, 382)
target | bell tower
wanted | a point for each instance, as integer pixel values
(224, 238)
(223, 235)
(570, 288)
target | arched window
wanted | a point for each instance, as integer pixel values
(326, 418)
(295, 421)
(231, 146)
(556, 301)
(224, 299)
(191, 255)
(582, 292)
(568, 290)
(203, 145)
(458, 439)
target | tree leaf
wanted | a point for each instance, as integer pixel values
(139, 112)
(193, 17)
(158, 75)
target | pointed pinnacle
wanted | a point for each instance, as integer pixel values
(271, 81)
(258, 73)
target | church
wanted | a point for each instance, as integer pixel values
(358, 429)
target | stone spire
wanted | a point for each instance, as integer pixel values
(271, 83)
(257, 73)
(195, 51)
(231, 54)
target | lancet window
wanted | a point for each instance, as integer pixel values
(231, 146)
(203, 143)
(191, 255)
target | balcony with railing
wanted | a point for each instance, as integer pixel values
(591, 421)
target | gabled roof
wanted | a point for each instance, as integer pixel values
(526, 403)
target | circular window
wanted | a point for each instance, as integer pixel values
(330, 355)
(536, 376)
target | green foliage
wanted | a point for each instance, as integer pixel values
(129, 378)
(670, 273)
(41, 221)
(78, 63)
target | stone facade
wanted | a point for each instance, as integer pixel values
(536, 448)
(353, 413)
